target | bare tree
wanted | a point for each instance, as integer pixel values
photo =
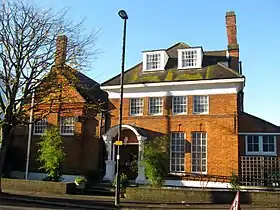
(28, 37)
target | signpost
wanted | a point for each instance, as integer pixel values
(236, 203)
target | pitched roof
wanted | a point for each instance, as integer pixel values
(211, 69)
(87, 87)
(250, 124)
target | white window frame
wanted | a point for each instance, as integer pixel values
(261, 152)
(136, 114)
(156, 105)
(206, 137)
(194, 104)
(42, 124)
(162, 63)
(199, 56)
(173, 106)
(184, 151)
(61, 125)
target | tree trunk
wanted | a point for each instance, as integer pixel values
(6, 138)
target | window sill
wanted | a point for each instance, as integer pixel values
(177, 173)
(198, 173)
(260, 154)
(198, 113)
(136, 115)
(178, 114)
(157, 114)
(67, 134)
(37, 134)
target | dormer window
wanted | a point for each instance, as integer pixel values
(154, 60)
(190, 58)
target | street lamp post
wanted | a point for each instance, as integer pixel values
(124, 16)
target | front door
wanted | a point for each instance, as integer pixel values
(128, 160)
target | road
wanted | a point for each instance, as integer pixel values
(19, 205)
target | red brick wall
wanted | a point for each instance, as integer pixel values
(220, 125)
(82, 149)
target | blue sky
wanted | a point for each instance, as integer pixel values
(160, 24)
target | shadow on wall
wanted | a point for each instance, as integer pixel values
(227, 197)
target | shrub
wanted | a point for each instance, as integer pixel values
(123, 181)
(79, 180)
(234, 181)
(156, 160)
(51, 153)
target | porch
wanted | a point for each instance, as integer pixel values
(133, 146)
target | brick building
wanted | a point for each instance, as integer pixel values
(76, 106)
(194, 96)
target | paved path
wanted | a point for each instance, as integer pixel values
(27, 200)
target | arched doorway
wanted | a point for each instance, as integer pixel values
(132, 148)
(129, 152)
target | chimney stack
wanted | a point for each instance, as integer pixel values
(233, 47)
(61, 46)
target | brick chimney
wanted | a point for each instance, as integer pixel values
(61, 46)
(233, 47)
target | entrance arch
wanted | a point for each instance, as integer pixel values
(108, 138)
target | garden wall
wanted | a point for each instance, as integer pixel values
(38, 186)
(192, 195)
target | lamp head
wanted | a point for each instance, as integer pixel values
(123, 14)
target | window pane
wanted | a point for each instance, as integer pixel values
(155, 105)
(153, 61)
(199, 150)
(200, 104)
(179, 104)
(268, 144)
(67, 125)
(136, 106)
(253, 144)
(189, 58)
(177, 152)
(40, 126)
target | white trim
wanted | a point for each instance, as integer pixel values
(185, 183)
(260, 142)
(170, 152)
(116, 95)
(214, 81)
(201, 113)
(45, 120)
(268, 134)
(172, 106)
(163, 60)
(162, 106)
(41, 176)
(143, 105)
(199, 57)
(206, 145)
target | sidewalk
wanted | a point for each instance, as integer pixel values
(105, 202)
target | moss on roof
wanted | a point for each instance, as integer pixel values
(211, 69)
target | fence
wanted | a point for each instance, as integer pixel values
(260, 171)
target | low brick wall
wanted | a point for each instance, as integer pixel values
(38, 186)
(192, 195)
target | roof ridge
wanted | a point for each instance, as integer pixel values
(260, 119)
(177, 44)
(214, 50)
(231, 70)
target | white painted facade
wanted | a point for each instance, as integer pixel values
(208, 87)
(40, 176)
